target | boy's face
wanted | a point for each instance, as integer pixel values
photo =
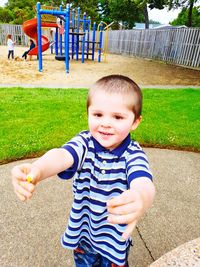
(110, 120)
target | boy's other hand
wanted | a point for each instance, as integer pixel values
(24, 187)
(126, 208)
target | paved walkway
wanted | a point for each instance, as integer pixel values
(30, 232)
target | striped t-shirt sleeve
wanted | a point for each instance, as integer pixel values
(137, 166)
(77, 149)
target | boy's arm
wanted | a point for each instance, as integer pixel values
(51, 163)
(131, 205)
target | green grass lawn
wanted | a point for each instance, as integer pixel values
(35, 120)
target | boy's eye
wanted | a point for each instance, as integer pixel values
(97, 115)
(117, 117)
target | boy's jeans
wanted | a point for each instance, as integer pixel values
(85, 256)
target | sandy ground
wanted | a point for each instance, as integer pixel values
(145, 72)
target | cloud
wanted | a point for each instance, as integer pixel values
(163, 16)
(2, 2)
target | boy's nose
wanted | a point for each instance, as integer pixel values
(105, 122)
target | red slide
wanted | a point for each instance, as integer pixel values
(30, 29)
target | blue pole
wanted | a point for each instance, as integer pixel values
(100, 41)
(53, 12)
(88, 37)
(56, 42)
(67, 25)
(73, 26)
(77, 37)
(39, 33)
(83, 40)
(93, 39)
(61, 37)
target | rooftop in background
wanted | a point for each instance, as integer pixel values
(168, 26)
(139, 25)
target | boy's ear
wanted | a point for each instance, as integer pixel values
(136, 123)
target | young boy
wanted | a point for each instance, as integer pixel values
(112, 183)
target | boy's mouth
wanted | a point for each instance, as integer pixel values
(105, 133)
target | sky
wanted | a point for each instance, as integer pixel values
(2, 2)
(163, 16)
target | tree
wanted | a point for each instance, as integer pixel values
(104, 11)
(183, 17)
(90, 7)
(189, 4)
(22, 10)
(21, 4)
(125, 11)
(6, 15)
(54, 3)
(159, 4)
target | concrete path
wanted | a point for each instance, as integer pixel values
(30, 232)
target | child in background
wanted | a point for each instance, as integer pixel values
(112, 182)
(32, 45)
(10, 44)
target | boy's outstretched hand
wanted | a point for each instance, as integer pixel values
(128, 207)
(26, 176)
(24, 179)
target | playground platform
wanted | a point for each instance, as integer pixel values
(30, 232)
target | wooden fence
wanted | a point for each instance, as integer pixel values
(178, 46)
(17, 34)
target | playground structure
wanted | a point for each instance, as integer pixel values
(76, 31)
(30, 29)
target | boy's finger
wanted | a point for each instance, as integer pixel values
(126, 197)
(119, 200)
(24, 189)
(21, 197)
(121, 219)
(30, 187)
(129, 229)
(18, 174)
(124, 209)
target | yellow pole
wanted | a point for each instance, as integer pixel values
(105, 40)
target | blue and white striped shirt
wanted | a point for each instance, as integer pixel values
(98, 175)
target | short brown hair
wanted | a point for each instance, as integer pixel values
(119, 84)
